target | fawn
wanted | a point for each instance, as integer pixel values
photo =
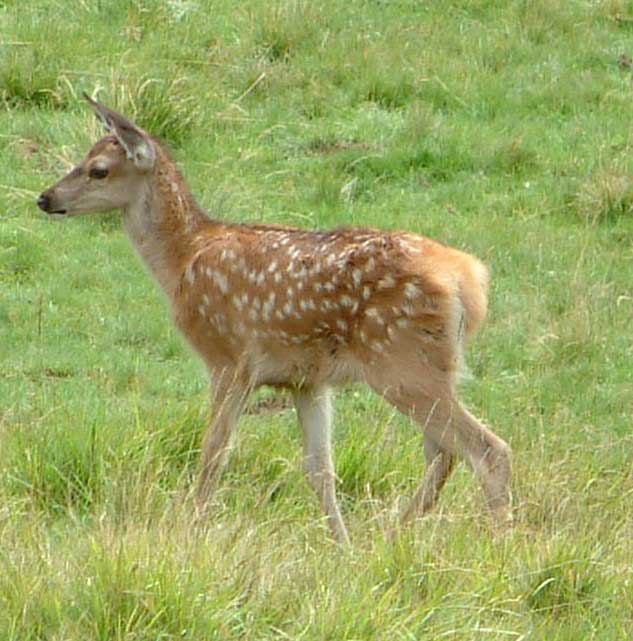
(304, 310)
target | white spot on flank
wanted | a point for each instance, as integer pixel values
(287, 308)
(205, 299)
(346, 301)
(272, 267)
(238, 303)
(267, 308)
(221, 281)
(189, 275)
(370, 264)
(387, 282)
(378, 346)
(317, 287)
(375, 314)
(220, 322)
(363, 336)
(256, 302)
(241, 263)
(253, 315)
(366, 292)
(357, 276)
(413, 250)
(411, 290)
(402, 323)
(278, 277)
(368, 243)
(342, 325)
(201, 310)
(330, 287)
(289, 292)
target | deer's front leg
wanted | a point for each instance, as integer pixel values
(229, 397)
(314, 408)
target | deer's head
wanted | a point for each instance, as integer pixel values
(111, 174)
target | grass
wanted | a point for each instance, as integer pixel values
(502, 128)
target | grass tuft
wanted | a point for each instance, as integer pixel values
(606, 196)
(284, 29)
(566, 581)
(168, 109)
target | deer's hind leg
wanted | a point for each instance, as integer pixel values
(439, 465)
(450, 431)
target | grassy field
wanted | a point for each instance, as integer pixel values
(503, 128)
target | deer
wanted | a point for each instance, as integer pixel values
(302, 310)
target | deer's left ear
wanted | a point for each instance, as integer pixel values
(137, 144)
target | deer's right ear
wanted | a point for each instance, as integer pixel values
(137, 144)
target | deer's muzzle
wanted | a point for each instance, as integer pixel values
(45, 204)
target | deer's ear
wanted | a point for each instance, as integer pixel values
(137, 144)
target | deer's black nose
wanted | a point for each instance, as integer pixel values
(44, 202)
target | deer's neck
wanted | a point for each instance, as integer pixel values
(163, 222)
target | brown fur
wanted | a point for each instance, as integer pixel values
(271, 305)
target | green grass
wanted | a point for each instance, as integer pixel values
(499, 127)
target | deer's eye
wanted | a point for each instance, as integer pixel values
(98, 172)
